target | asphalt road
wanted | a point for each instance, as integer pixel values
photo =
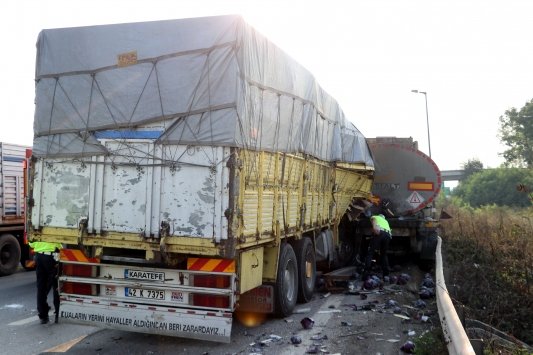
(341, 325)
(22, 332)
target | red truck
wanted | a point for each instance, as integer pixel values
(14, 248)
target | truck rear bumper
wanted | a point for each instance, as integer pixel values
(197, 324)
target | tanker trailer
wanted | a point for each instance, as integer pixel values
(406, 184)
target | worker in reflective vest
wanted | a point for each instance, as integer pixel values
(379, 242)
(46, 262)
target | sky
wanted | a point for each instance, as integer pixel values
(473, 58)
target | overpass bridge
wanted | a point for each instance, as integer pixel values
(452, 175)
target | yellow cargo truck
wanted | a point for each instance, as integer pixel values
(191, 169)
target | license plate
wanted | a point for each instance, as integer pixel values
(144, 293)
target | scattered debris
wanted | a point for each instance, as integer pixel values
(408, 347)
(307, 323)
(402, 316)
(403, 279)
(331, 311)
(326, 295)
(346, 324)
(350, 334)
(313, 349)
(426, 292)
(391, 304)
(420, 304)
(275, 337)
(428, 281)
(372, 282)
(295, 339)
(271, 338)
(319, 337)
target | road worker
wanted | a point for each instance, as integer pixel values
(46, 263)
(380, 242)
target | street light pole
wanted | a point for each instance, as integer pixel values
(427, 116)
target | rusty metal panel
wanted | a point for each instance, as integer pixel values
(194, 195)
(61, 192)
(131, 192)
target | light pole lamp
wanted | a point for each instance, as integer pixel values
(427, 116)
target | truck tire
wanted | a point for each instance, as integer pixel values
(9, 254)
(286, 288)
(305, 256)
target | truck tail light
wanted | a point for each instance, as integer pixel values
(79, 289)
(211, 281)
(76, 270)
(212, 301)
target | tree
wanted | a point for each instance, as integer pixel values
(496, 186)
(472, 166)
(516, 132)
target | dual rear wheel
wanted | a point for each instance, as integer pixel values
(296, 276)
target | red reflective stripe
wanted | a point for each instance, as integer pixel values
(76, 255)
(224, 263)
(198, 264)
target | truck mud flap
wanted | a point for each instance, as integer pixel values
(202, 325)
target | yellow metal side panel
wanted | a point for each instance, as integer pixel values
(270, 168)
(270, 263)
(293, 209)
(249, 212)
(350, 184)
(275, 187)
(309, 217)
(268, 210)
(251, 269)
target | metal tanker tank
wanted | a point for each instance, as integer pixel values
(405, 177)
(406, 183)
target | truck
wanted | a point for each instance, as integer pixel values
(406, 184)
(192, 170)
(14, 249)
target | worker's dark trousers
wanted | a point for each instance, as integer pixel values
(46, 271)
(378, 242)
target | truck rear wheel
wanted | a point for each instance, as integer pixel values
(286, 290)
(9, 254)
(305, 255)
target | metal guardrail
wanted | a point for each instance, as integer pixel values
(454, 333)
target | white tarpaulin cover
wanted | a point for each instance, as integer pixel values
(200, 81)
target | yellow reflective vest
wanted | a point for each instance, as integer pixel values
(382, 223)
(43, 247)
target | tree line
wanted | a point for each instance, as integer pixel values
(512, 183)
